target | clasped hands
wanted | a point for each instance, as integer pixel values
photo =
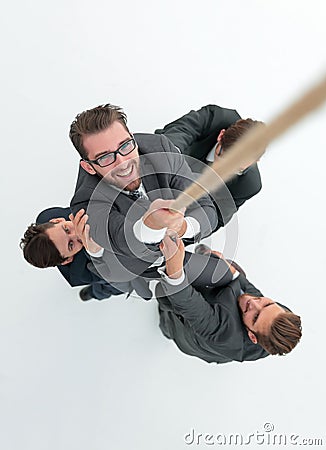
(159, 215)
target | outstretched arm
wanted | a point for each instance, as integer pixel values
(197, 125)
(205, 319)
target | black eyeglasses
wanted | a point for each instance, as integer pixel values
(110, 157)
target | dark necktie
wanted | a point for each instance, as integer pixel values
(134, 195)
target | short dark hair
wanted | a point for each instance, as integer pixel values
(93, 121)
(38, 249)
(284, 334)
(236, 130)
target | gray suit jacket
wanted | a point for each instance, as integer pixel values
(112, 214)
(195, 134)
(205, 322)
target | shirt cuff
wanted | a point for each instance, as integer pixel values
(173, 281)
(98, 254)
(235, 275)
(147, 235)
(193, 227)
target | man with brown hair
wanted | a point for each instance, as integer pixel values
(132, 181)
(204, 136)
(234, 322)
(53, 241)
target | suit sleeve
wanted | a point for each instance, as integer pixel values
(197, 125)
(248, 287)
(205, 319)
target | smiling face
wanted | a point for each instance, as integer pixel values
(258, 313)
(64, 237)
(124, 173)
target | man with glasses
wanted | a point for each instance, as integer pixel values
(204, 136)
(128, 184)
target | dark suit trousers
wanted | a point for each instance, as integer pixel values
(102, 290)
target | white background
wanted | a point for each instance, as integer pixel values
(99, 375)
